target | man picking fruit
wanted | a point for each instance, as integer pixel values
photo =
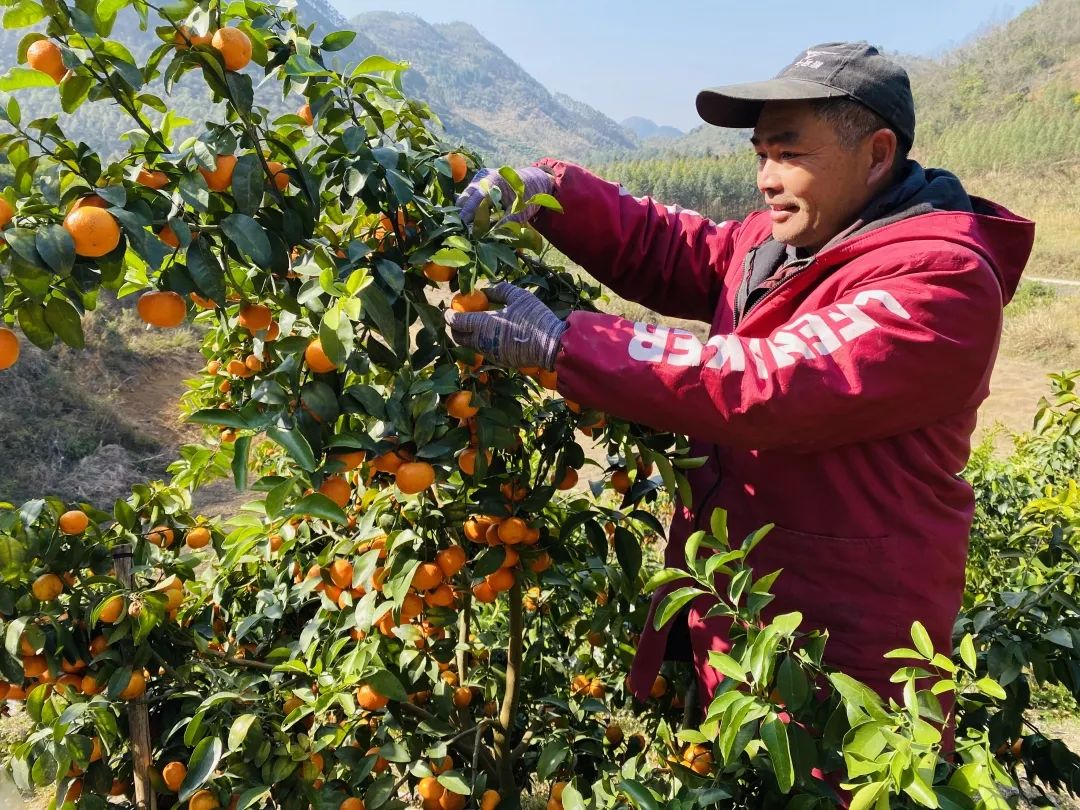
(854, 323)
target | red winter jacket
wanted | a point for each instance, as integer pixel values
(840, 407)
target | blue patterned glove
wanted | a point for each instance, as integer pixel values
(524, 333)
(536, 180)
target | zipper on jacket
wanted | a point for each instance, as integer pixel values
(760, 301)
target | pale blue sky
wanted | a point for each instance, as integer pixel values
(650, 57)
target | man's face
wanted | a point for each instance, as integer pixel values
(813, 186)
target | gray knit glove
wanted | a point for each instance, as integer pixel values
(536, 180)
(524, 333)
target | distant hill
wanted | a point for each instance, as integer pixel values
(646, 129)
(463, 75)
(483, 98)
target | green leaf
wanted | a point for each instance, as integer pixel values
(991, 688)
(23, 13)
(206, 271)
(248, 183)
(65, 321)
(74, 90)
(639, 795)
(663, 577)
(718, 525)
(454, 783)
(452, 257)
(865, 796)
(239, 730)
(56, 248)
(378, 64)
(318, 505)
(295, 444)
(774, 735)
(673, 603)
(628, 553)
(792, 683)
(241, 449)
(967, 652)
(727, 666)
(551, 757)
(922, 640)
(204, 759)
(572, 799)
(20, 78)
(249, 238)
(337, 40)
(386, 683)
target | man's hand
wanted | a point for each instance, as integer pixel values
(524, 333)
(537, 181)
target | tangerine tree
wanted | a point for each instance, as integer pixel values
(377, 622)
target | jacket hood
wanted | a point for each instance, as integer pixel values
(932, 204)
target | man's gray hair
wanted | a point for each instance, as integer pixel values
(853, 121)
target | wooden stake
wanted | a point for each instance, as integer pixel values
(138, 713)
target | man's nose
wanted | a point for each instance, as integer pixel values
(768, 179)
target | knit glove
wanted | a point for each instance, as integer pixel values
(524, 333)
(537, 181)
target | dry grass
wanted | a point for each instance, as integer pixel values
(87, 424)
(1044, 328)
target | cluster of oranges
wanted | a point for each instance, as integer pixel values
(434, 796)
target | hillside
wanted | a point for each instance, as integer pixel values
(482, 97)
(646, 128)
(455, 69)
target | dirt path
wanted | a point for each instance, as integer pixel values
(1015, 389)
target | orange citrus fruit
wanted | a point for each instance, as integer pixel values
(162, 308)
(160, 536)
(173, 775)
(439, 272)
(458, 166)
(460, 405)
(152, 178)
(198, 537)
(428, 575)
(136, 686)
(305, 113)
(476, 301)
(74, 521)
(337, 489)
(94, 230)
(221, 177)
(9, 348)
(254, 317)
(369, 699)
(234, 47)
(317, 359)
(112, 609)
(47, 587)
(451, 560)
(203, 800)
(6, 212)
(277, 171)
(44, 55)
(414, 477)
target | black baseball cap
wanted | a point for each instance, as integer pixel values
(854, 70)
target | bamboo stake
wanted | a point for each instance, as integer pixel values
(138, 712)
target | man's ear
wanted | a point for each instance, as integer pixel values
(883, 148)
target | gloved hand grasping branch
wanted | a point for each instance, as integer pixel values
(524, 333)
(536, 180)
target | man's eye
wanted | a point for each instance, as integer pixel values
(787, 155)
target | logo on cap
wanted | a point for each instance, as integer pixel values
(808, 60)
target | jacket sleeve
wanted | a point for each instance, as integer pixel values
(896, 352)
(669, 259)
